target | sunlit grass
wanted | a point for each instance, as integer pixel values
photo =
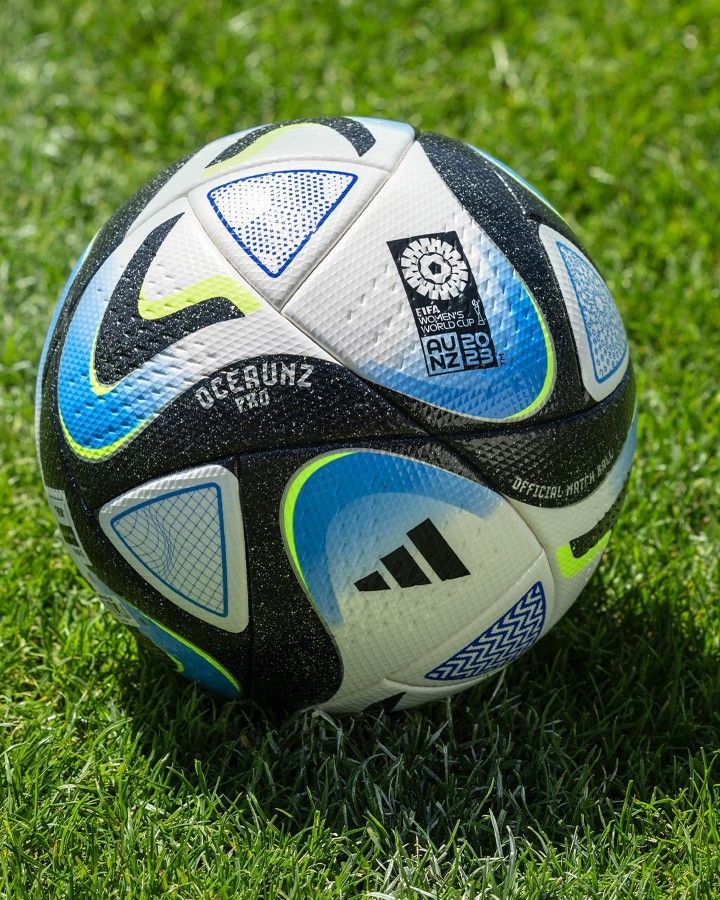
(591, 767)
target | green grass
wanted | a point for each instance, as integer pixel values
(591, 767)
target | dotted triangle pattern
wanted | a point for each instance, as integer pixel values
(273, 215)
(601, 317)
(179, 538)
(506, 639)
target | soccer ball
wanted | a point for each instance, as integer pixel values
(336, 414)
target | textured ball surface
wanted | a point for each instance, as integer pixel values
(336, 414)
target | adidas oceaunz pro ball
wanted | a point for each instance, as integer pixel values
(337, 414)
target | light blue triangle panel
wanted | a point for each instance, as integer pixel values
(273, 215)
(601, 317)
(506, 639)
(179, 538)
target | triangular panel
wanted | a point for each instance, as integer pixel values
(506, 639)
(178, 537)
(183, 534)
(273, 215)
(595, 319)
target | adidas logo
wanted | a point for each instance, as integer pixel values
(400, 563)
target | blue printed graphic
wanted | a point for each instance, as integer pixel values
(506, 639)
(343, 511)
(621, 468)
(179, 538)
(273, 215)
(99, 419)
(48, 338)
(55, 316)
(190, 660)
(522, 381)
(601, 318)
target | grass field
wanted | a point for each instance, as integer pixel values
(591, 768)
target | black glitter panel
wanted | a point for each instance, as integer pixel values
(355, 132)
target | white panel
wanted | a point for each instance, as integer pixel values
(269, 207)
(393, 140)
(192, 173)
(186, 261)
(292, 143)
(147, 390)
(355, 303)
(555, 528)
(408, 563)
(185, 258)
(304, 141)
(183, 534)
(405, 641)
(596, 322)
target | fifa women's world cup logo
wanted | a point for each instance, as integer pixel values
(444, 298)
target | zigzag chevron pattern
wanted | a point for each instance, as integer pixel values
(506, 639)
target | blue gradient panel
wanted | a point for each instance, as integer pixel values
(97, 420)
(192, 662)
(517, 332)
(349, 508)
(55, 316)
(48, 338)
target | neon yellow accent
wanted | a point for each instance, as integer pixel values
(539, 401)
(98, 388)
(254, 149)
(215, 286)
(213, 662)
(570, 565)
(292, 492)
(98, 452)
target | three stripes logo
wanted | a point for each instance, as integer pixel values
(402, 566)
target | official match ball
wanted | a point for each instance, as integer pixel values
(336, 414)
